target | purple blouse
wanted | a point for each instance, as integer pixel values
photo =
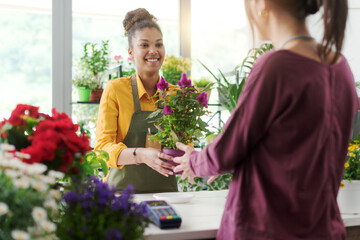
(286, 144)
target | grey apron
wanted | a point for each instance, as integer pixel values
(143, 178)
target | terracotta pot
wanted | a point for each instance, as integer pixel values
(173, 153)
(96, 95)
(208, 92)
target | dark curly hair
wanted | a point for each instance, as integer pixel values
(138, 19)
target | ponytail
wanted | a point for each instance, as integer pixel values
(334, 18)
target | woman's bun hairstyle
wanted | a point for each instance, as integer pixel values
(135, 16)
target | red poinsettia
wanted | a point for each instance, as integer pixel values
(51, 140)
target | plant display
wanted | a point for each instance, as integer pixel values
(28, 204)
(95, 59)
(178, 115)
(203, 82)
(352, 164)
(84, 78)
(50, 140)
(230, 91)
(91, 210)
(173, 67)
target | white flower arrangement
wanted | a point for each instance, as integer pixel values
(26, 197)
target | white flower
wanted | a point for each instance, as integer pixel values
(47, 179)
(20, 235)
(54, 194)
(39, 185)
(35, 169)
(22, 155)
(4, 209)
(48, 226)
(10, 173)
(56, 174)
(22, 182)
(39, 214)
(51, 203)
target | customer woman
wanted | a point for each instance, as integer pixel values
(125, 104)
(286, 142)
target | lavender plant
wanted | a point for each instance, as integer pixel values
(91, 210)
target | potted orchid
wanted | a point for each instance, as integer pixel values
(178, 115)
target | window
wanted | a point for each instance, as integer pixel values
(25, 54)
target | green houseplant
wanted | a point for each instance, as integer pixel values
(95, 58)
(85, 82)
(230, 91)
(173, 67)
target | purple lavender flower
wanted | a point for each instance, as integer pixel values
(113, 234)
(70, 197)
(184, 82)
(167, 110)
(163, 85)
(202, 99)
(180, 134)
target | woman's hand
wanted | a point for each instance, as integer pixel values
(152, 157)
(184, 162)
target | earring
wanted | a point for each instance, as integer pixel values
(263, 13)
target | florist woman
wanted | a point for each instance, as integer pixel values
(124, 107)
(286, 141)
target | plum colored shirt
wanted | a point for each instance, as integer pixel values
(286, 144)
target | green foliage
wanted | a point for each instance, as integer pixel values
(96, 59)
(230, 91)
(203, 83)
(220, 183)
(352, 164)
(95, 160)
(173, 67)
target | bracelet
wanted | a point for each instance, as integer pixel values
(134, 157)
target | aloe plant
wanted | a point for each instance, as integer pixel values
(230, 91)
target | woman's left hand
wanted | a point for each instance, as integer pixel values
(184, 162)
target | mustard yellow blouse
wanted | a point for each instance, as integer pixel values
(115, 111)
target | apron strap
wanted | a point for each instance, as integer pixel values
(135, 93)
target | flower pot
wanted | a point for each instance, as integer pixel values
(349, 197)
(174, 153)
(96, 95)
(84, 94)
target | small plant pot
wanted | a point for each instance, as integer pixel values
(96, 95)
(84, 94)
(349, 197)
(174, 153)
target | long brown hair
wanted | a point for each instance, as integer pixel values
(335, 14)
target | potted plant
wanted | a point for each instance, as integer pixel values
(85, 82)
(51, 140)
(349, 193)
(178, 115)
(96, 60)
(230, 91)
(204, 84)
(94, 210)
(173, 67)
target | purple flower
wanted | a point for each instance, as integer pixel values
(167, 110)
(163, 85)
(202, 99)
(179, 134)
(184, 82)
(113, 234)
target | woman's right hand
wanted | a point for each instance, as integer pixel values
(153, 158)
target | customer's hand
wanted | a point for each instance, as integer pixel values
(152, 157)
(184, 162)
